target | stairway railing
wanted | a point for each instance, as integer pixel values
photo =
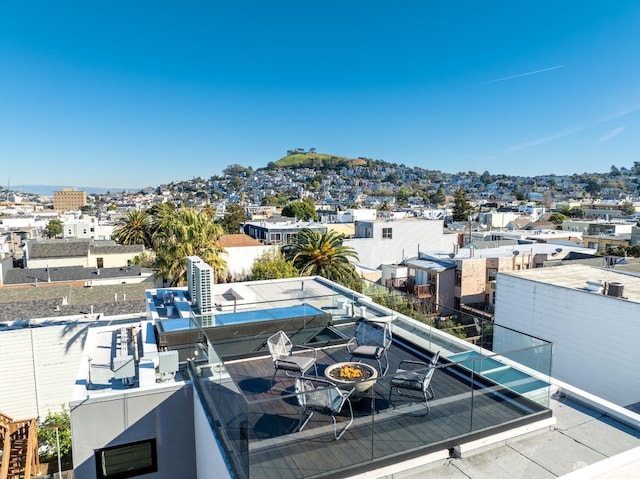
(5, 438)
(16, 431)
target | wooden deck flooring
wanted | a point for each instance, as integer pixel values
(263, 431)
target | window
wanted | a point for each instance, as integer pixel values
(458, 277)
(100, 262)
(593, 245)
(387, 233)
(126, 460)
(491, 274)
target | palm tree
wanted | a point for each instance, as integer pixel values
(187, 233)
(323, 254)
(135, 230)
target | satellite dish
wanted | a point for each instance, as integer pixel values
(451, 255)
(558, 250)
(515, 253)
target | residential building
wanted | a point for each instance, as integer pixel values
(163, 396)
(241, 251)
(69, 199)
(467, 277)
(279, 232)
(590, 314)
(85, 253)
(86, 227)
(606, 242)
(391, 242)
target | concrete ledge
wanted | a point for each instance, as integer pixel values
(503, 437)
(404, 466)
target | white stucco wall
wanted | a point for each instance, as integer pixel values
(408, 238)
(596, 338)
(240, 259)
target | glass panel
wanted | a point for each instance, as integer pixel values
(487, 377)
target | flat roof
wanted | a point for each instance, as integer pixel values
(576, 277)
(586, 433)
(522, 249)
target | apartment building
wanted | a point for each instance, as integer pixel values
(69, 199)
(390, 242)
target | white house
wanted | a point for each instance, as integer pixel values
(389, 242)
(590, 315)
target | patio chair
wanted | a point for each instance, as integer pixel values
(415, 376)
(320, 395)
(281, 349)
(371, 341)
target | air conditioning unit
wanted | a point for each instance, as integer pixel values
(168, 365)
(124, 368)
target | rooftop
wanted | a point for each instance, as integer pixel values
(234, 240)
(577, 276)
(496, 413)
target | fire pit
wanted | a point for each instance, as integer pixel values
(358, 375)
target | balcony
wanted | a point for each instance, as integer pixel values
(478, 393)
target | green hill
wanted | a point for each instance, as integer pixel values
(315, 160)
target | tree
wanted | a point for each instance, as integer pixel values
(270, 200)
(519, 194)
(627, 208)
(47, 436)
(323, 254)
(462, 209)
(136, 229)
(187, 233)
(272, 265)
(301, 210)
(576, 212)
(486, 178)
(593, 185)
(402, 197)
(439, 197)
(54, 228)
(557, 218)
(233, 217)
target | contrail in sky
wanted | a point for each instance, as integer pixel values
(521, 75)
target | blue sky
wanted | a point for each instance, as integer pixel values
(132, 94)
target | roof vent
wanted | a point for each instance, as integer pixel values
(615, 289)
(595, 286)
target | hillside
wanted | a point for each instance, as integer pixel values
(315, 160)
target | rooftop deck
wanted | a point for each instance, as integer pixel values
(263, 429)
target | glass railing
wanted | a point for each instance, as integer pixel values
(263, 439)
(488, 376)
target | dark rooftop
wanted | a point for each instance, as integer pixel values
(46, 301)
(67, 273)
